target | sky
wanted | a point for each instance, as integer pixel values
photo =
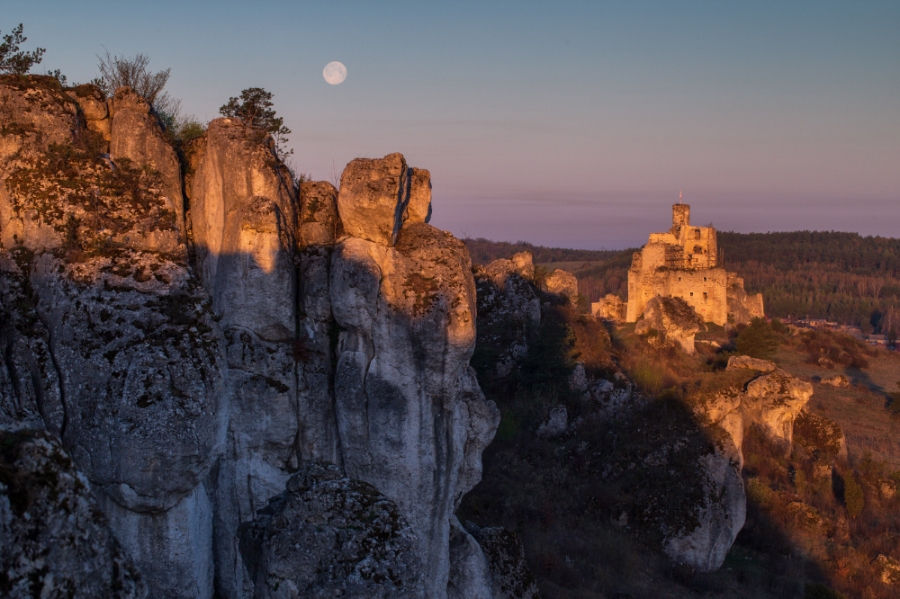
(572, 124)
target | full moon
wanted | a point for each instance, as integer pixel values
(334, 73)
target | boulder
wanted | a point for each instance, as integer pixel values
(375, 195)
(670, 319)
(56, 541)
(711, 526)
(555, 424)
(410, 423)
(419, 209)
(839, 380)
(331, 536)
(748, 363)
(561, 283)
(889, 570)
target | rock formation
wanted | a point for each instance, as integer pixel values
(610, 307)
(329, 536)
(509, 311)
(56, 541)
(561, 283)
(196, 363)
(670, 319)
(683, 263)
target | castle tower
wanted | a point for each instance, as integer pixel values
(681, 215)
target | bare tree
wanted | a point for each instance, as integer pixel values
(116, 71)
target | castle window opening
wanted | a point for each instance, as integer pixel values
(692, 294)
(705, 295)
(698, 249)
(696, 233)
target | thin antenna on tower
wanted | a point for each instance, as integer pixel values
(679, 195)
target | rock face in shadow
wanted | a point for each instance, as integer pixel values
(509, 311)
(331, 536)
(56, 541)
(717, 518)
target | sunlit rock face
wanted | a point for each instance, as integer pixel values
(61, 192)
(378, 195)
(135, 135)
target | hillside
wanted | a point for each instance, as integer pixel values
(597, 466)
(843, 277)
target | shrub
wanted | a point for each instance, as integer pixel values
(820, 591)
(853, 495)
(758, 340)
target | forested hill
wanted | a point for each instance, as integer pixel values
(840, 276)
(484, 251)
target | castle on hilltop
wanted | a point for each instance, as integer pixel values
(683, 262)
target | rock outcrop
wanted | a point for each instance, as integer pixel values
(413, 427)
(310, 326)
(670, 319)
(562, 283)
(56, 542)
(510, 576)
(509, 312)
(330, 536)
(378, 195)
(610, 307)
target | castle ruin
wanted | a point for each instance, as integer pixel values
(683, 262)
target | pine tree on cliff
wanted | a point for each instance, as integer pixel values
(254, 107)
(13, 60)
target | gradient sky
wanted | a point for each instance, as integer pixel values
(561, 123)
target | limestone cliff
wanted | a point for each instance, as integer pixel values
(194, 352)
